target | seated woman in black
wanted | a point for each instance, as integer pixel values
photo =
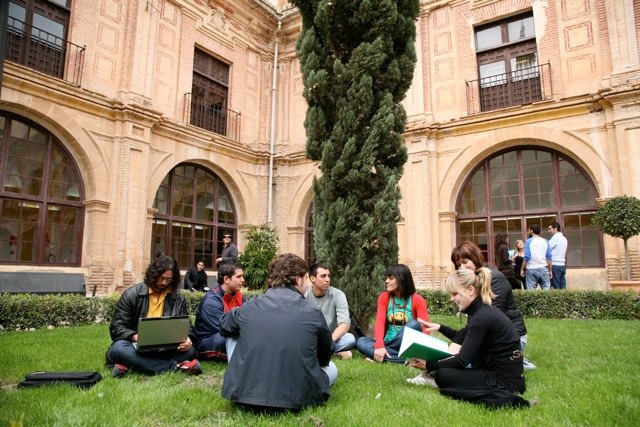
(490, 355)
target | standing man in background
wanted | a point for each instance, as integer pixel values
(558, 246)
(229, 251)
(537, 260)
(333, 304)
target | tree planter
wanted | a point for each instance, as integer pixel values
(625, 285)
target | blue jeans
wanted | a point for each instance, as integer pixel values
(124, 353)
(537, 276)
(346, 342)
(559, 279)
(212, 347)
(366, 345)
(331, 370)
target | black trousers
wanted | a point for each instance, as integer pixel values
(465, 378)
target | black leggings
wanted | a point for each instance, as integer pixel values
(464, 378)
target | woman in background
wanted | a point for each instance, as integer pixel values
(518, 258)
(504, 263)
(398, 306)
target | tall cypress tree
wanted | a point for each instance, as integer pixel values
(357, 59)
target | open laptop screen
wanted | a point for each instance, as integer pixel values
(162, 333)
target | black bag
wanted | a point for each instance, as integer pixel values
(490, 397)
(75, 378)
(355, 328)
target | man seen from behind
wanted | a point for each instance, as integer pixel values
(537, 260)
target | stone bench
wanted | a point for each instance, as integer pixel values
(42, 283)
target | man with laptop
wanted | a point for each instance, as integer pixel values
(151, 330)
(212, 345)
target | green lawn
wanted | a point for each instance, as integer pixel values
(588, 374)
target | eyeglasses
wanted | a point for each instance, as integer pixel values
(227, 237)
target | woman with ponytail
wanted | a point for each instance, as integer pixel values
(489, 357)
(468, 255)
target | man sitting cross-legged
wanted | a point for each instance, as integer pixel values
(212, 345)
(157, 296)
(333, 304)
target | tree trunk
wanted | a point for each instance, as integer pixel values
(626, 260)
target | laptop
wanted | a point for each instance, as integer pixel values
(162, 333)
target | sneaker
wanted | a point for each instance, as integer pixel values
(423, 379)
(119, 371)
(192, 367)
(344, 355)
(528, 366)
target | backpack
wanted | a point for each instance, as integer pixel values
(75, 378)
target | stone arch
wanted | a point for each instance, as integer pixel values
(90, 159)
(167, 164)
(582, 152)
(301, 202)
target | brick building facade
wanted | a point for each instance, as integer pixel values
(154, 126)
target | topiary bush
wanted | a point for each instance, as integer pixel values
(620, 217)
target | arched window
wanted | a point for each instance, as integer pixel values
(309, 251)
(514, 189)
(195, 210)
(41, 197)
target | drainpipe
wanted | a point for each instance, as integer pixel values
(274, 96)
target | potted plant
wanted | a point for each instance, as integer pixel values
(620, 217)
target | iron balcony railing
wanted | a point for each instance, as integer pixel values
(523, 86)
(42, 51)
(211, 117)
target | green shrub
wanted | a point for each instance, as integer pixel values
(557, 304)
(620, 217)
(27, 311)
(261, 249)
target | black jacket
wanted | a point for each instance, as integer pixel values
(229, 254)
(134, 304)
(504, 262)
(503, 301)
(282, 343)
(491, 343)
(194, 279)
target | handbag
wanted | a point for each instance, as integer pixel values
(74, 378)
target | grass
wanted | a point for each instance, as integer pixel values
(587, 376)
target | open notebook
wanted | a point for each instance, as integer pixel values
(422, 346)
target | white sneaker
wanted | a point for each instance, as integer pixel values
(423, 379)
(528, 366)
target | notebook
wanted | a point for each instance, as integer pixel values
(162, 333)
